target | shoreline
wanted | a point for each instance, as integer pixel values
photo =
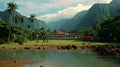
(104, 50)
(43, 47)
(100, 50)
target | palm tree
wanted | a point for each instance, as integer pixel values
(29, 26)
(22, 21)
(17, 19)
(32, 18)
(43, 34)
(11, 8)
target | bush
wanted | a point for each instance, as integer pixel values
(20, 39)
(1, 41)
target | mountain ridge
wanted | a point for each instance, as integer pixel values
(5, 15)
(70, 24)
(96, 14)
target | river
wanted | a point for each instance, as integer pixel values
(54, 58)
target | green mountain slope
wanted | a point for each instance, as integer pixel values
(70, 24)
(37, 24)
(96, 13)
(67, 24)
(56, 24)
(114, 7)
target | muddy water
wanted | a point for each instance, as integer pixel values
(54, 58)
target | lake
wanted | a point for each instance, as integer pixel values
(54, 58)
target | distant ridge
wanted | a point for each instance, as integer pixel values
(5, 15)
(96, 14)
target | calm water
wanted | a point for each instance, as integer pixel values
(54, 58)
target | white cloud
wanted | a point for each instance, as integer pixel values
(70, 2)
(70, 11)
(48, 6)
(64, 14)
(26, 7)
(106, 1)
(66, 3)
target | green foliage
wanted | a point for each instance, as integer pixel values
(20, 39)
(87, 32)
(1, 21)
(17, 19)
(4, 28)
(4, 32)
(43, 34)
(12, 6)
(32, 17)
(110, 29)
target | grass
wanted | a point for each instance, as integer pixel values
(51, 42)
(61, 42)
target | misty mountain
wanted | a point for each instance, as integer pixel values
(56, 24)
(66, 24)
(96, 14)
(72, 23)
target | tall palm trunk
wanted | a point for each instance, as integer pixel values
(33, 25)
(11, 8)
(9, 35)
(13, 18)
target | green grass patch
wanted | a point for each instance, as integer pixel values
(51, 42)
(55, 42)
(10, 45)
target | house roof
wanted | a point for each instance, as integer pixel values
(63, 33)
(60, 32)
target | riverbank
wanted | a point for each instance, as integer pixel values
(50, 42)
(45, 47)
(107, 50)
(102, 49)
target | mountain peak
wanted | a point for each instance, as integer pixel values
(115, 2)
(100, 4)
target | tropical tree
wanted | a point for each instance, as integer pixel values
(22, 19)
(54, 31)
(4, 33)
(32, 18)
(43, 34)
(17, 19)
(29, 26)
(11, 8)
(110, 29)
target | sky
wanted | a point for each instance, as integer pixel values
(51, 10)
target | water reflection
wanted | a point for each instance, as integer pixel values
(53, 58)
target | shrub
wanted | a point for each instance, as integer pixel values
(20, 39)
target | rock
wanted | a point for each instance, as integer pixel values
(3, 47)
(68, 47)
(74, 47)
(27, 48)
